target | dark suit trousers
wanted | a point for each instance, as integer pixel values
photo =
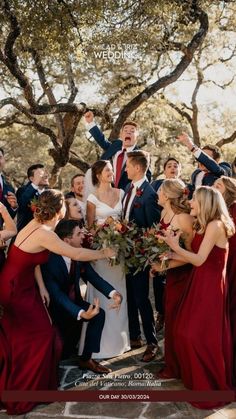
(93, 333)
(138, 301)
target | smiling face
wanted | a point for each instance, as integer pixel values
(128, 135)
(107, 174)
(78, 186)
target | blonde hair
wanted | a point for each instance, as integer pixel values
(177, 193)
(212, 207)
(230, 190)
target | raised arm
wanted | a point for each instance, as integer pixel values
(90, 214)
(49, 240)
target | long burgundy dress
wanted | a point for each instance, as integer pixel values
(33, 348)
(231, 274)
(176, 282)
(202, 329)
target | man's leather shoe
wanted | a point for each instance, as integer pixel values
(135, 344)
(159, 322)
(150, 352)
(94, 366)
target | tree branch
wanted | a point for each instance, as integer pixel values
(166, 80)
(227, 140)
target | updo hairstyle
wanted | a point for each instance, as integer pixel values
(177, 193)
(48, 205)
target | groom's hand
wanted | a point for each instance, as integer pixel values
(92, 311)
(89, 117)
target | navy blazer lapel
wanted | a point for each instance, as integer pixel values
(137, 197)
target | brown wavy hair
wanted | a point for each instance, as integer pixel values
(48, 205)
(97, 169)
(230, 190)
(177, 193)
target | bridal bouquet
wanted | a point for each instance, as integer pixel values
(147, 248)
(118, 235)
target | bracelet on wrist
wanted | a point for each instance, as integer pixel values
(194, 148)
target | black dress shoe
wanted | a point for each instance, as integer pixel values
(93, 366)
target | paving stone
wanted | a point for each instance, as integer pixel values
(112, 410)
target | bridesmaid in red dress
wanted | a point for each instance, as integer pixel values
(202, 330)
(172, 197)
(32, 345)
(227, 187)
(8, 232)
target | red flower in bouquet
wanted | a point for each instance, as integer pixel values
(87, 242)
(116, 234)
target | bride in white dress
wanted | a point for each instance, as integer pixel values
(104, 202)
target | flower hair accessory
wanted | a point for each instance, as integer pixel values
(34, 204)
(139, 192)
(186, 191)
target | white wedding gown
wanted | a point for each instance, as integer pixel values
(115, 336)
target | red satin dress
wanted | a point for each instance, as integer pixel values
(202, 329)
(231, 274)
(176, 282)
(30, 348)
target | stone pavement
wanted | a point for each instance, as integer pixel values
(129, 373)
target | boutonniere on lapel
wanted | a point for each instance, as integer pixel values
(139, 192)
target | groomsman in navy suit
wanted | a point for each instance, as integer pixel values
(140, 206)
(38, 180)
(67, 307)
(116, 150)
(7, 193)
(209, 168)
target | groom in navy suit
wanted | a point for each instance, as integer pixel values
(67, 307)
(116, 150)
(140, 206)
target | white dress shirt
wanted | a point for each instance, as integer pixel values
(137, 185)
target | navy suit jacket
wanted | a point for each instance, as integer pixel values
(110, 149)
(57, 282)
(24, 196)
(144, 210)
(5, 189)
(215, 170)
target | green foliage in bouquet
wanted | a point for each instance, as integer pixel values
(147, 247)
(116, 234)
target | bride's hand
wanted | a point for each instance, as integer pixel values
(109, 253)
(117, 300)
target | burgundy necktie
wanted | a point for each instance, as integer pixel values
(72, 277)
(119, 164)
(128, 196)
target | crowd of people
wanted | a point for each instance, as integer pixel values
(45, 315)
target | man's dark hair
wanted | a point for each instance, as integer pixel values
(215, 150)
(170, 159)
(65, 228)
(2, 151)
(31, 169)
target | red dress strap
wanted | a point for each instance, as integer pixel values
(27, 236)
